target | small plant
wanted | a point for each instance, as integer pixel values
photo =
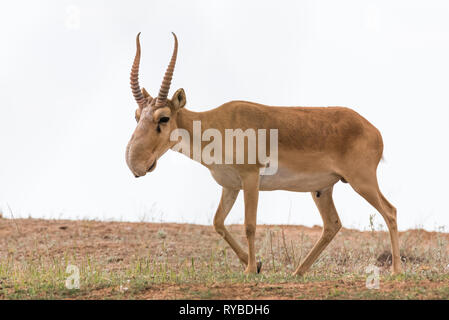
(371, 222)
(161, 234)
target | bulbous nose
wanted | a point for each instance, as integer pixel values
(138, 175)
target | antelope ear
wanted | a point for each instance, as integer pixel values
(179, 99)
(146, 94)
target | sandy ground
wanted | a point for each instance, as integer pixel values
(114, 248)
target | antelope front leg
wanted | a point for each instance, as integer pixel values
(251, 197)
(228, 197)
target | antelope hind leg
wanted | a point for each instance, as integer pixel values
(331, 225)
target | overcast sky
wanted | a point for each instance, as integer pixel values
(67, 112)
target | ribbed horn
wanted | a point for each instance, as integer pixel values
(165, 87)
(137, 93)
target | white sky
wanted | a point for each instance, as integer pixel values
(67, 111)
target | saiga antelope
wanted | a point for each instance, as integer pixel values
(317, 147)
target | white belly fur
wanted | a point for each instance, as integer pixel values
(284, 179)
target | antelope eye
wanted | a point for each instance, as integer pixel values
(164, 119)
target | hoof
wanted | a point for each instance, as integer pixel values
(396, 272)
(298, 274)
(252, 270)
(259, 266)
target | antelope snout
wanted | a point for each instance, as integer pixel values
(138, 162)
(140, 170)
(138, 174)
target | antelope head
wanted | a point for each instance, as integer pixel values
(156, 118)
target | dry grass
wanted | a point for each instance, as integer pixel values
(174, 261)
